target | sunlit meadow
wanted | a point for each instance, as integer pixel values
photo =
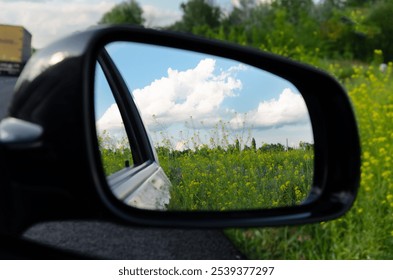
(219, 179)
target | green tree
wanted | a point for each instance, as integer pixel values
(360, 3)
(295, 9)
(242, 13)
(126, 12)
(199, 16)
(381, 19)
(253, 144)
(248, 23)
(325, 10)
(237, 145)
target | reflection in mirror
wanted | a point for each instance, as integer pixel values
(112, 137)
(137, 184)
(229, 136)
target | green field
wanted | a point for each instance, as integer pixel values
(219, 179)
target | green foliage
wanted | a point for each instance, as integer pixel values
(253, 144)
(199, 17)
(296, 10)
(359, 3)
(114, 160)
(381, 19)
(334, 29)
(330, 29)
(126, 12)
(115, 153)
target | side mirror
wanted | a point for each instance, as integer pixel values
(241, 137)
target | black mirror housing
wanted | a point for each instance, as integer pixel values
(59, 175)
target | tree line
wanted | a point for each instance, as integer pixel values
(333, 29)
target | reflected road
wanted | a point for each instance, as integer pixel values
(6, 88)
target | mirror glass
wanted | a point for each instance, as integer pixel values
(228, 136)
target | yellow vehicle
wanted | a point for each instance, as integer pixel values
(15, 49)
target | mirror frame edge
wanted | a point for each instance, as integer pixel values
(331, 197)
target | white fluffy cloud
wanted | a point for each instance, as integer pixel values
(112, 119)
(173, 99)
(196, 92)
(288, 109)
(111, 128)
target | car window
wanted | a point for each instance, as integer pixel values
(112, 137)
